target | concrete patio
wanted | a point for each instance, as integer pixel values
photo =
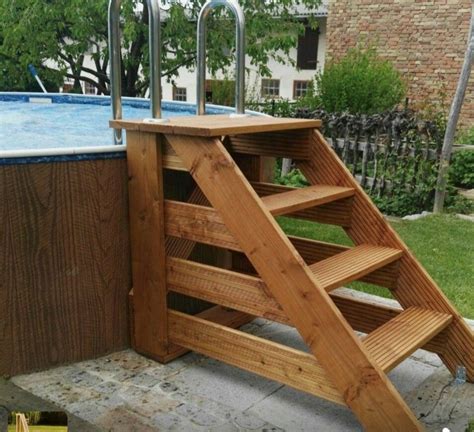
(127, 392)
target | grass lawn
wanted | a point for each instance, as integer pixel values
(11, 428)
(443, 244)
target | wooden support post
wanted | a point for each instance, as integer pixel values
(147, 234)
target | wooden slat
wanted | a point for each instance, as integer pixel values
(304, 198)
(334, 213)
(367, 316)
(291, 282)
(352, 264)
(179, 247)
(216, 125)
(173, 163)
(197, 223)
(231, 289)
(217, 314)
(390, 344)
(290, 144)
(313, 251)
(269, 359)
(147, 234)
(204, 225)
(414, 286)
(250, 295)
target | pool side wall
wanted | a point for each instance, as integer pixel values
(64, 241)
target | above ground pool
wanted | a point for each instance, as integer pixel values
(52, 124)
(64, 237)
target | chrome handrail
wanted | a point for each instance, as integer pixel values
(235, 8)
(116, 62)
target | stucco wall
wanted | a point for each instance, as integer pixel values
(426, 40)
(286, 73)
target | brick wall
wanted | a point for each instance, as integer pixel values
(426, 40)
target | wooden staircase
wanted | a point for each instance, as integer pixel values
(263, 273)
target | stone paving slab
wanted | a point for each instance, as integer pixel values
(13, 398)
(440, 403)
(127, 392)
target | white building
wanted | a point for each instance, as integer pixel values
(287, 81)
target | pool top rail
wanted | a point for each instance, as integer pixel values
(217, 125)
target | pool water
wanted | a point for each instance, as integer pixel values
(27, 125)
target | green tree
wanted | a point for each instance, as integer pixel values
(54, 35)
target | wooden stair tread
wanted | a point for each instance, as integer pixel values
(353, 264)
(304, 198)
(400, 337)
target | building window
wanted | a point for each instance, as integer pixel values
(270, 88)
(180, 94)
(307, 57)
(89, 89)
(300, 88)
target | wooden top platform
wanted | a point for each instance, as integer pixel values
(216, 125)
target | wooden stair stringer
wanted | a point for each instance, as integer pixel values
(414, 287)
(292, 284)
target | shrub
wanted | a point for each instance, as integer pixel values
(223, 92)
(294, 178)
(466, 136)
(461, 171)
(360, 83)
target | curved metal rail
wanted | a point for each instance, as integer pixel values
(116, 62)
(235, 8)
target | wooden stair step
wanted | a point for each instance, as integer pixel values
(352, 265)
(304, 198)
(400, 337)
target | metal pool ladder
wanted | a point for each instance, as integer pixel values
(116, 62)
(237, 11)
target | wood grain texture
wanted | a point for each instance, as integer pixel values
(313, 251)
(292, 284)
(249, 294)
(65, 271)
(304, 198)
(352, 265)
(216, 125)
(216, 314)
(269, 359)
(198, 223)
(293, 144)
(231, 289)
(333, 213)
(415, 287)
(147, 237)
(400, 337)
(203, 224)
